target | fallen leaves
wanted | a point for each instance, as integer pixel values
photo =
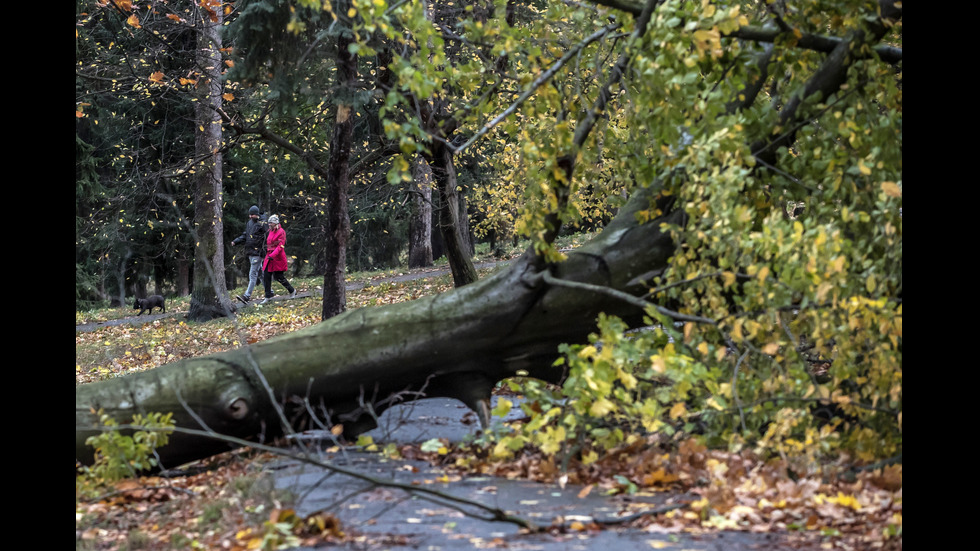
(213, 509)
(732, 491)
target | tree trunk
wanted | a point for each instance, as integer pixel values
(457, 344)
(444, 172)
(465, 231)
(209, 297)
(420, 223)
(183, 277)
(338, 182)
(121, 277)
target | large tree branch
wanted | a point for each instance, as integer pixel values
(542, 79)
(817, 43)
(809, 41)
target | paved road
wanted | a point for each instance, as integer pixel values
(390, 518)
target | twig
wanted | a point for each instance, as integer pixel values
(625, 297)
(98, 498)
(496, 514)
(538, 82)
(641, 514)
(738, 403)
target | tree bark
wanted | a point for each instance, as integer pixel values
(338, 182)
(420, 223)
(183, 277)
(457, 344)
(457, 253)
(209, 297)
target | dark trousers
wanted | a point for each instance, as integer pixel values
(280, 277)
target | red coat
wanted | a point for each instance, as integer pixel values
(275, 258)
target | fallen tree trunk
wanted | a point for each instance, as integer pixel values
(457, 344)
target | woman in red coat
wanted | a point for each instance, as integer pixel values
(275, 259)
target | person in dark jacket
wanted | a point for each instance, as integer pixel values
(254, 239)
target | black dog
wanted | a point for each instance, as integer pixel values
(149, 303)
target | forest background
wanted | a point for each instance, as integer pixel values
(765, 136)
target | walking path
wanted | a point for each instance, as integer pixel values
(390, 518)
(422, 273)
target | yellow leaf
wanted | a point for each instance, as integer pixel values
(771, 348)
(678, 410)
(728, 278)
(838, 264)
(134, 21)
(227, 96)
(891, 189)
(823, 289)
(156, 77)
(601, 407)
(845, 501)
(863, 169)
(658, 364)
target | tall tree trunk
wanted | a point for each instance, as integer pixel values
(442, 125)
(338, 219)
(121, 278)
(183, 277)
(463, 220)
(420, 223)
(444, 172)
(209, 298)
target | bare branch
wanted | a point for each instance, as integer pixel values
(538, 82)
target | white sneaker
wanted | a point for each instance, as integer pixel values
(266, 300)
(293, 294)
